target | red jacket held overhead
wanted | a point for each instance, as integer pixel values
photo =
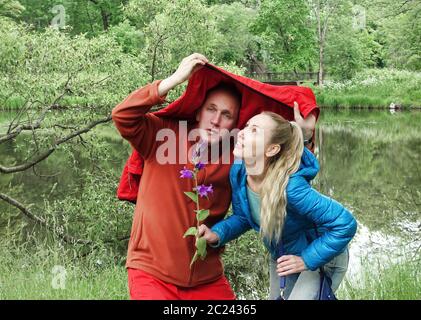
(256, 97)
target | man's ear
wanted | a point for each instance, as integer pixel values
(273, 150)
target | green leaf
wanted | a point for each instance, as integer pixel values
(191, 195)
(190, 232)
(194, 259)
(204, 256)
(202, 214)
(201, 247)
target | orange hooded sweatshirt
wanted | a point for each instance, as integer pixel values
(163, 212)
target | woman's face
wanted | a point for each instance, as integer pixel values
(253, 142)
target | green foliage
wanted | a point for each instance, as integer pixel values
(374, 88)
(128, 37)
(287, 40)
(398, 24)
(273, 34)
(175, 29)
(190, 232)
(202, 215)
(369, 162)
(192, 195)
(232, 40)
(398, 281)
(74, 192)
(11, 8)
(81, 16)
(246, 264)
(109, 48)
(201, 248)
(41, 65)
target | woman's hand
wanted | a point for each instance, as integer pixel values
(187, 67)
(307, 125)
(290, 264)
(205, 232)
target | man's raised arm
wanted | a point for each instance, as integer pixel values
(130, 116)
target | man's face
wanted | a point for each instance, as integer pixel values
(217, 116)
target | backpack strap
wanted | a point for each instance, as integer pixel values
(282, 280)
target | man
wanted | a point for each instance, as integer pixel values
(158, 259)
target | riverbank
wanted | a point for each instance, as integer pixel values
(398, 281)
(373, 89)
(369, 89)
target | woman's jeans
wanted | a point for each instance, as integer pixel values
(305, 285)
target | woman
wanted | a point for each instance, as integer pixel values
(272, 194)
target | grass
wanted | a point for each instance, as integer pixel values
(373, 88)
(28, 273)
(399, 281)
(25, 276)
(31, 283)
(31, 276)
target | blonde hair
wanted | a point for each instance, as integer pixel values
(279, 168)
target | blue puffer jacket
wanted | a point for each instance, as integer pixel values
(305, 207)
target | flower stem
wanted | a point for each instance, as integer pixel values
(197, 204)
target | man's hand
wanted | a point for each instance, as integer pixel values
(290, 264)
(307, 125)
(210, 237)
(187, 67)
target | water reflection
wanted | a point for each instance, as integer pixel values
(370, 162)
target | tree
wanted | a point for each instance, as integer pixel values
(324, 12)
(11, 8)
(233, 40)
(397, 31)
(285, 34)
(67, 87)
(349, 47)
(83, 16)
(403, 31)
(171, 30)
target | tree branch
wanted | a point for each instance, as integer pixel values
(25, 210)
(65, 237)
(48, 152)
(16, 130)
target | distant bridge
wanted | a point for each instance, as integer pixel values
(285, 78)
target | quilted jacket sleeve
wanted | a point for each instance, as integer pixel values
(326, 213)
(236, 224)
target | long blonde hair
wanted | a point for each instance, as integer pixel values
(279, 168)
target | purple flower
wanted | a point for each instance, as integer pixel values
(204, 190)
(186, 173)
(199, 165)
